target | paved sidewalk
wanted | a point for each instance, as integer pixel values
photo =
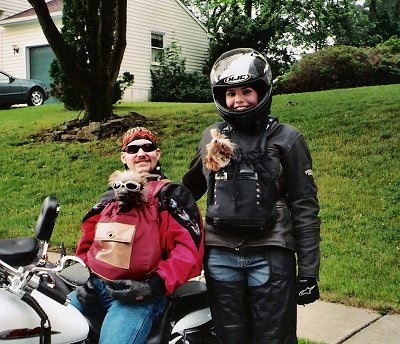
(332, 323)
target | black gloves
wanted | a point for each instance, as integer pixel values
(126, 291)
(307, 290)
(87, 296)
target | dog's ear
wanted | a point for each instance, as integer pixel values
(146, 178)
(141, 178)
(115, 176)
(215, 134)
(136, 176)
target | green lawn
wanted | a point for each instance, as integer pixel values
(354, 138)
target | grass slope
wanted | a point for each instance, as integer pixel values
(354, 138)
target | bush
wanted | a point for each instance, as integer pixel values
(61, 89)
(343, 67)
(391, 46)
(123, 82)
(184, 87)
(170, 82)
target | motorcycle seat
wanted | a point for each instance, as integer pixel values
(190, 289)
(19, 251)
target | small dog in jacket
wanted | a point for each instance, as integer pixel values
(219, 151)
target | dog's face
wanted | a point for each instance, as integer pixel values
(128, 186)
(220, 150)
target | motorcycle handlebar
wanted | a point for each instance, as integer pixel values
(53, 293)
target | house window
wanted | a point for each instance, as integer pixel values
(157, 46)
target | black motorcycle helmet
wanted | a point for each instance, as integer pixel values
(237, 68)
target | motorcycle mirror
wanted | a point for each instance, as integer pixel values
(73, 271)
(47, 218)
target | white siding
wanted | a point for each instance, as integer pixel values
(171, 19)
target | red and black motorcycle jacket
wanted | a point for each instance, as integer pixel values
(287, 158)
(180, 237)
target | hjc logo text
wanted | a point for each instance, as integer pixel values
(234, 79)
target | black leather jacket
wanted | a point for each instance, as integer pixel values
(298, 226)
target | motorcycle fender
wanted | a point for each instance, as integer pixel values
(68, 325)
(192, 320)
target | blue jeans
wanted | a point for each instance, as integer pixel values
(248, 265)
(123, 323)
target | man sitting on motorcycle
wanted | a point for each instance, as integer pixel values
(130, 292)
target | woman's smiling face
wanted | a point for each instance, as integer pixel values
(241, 98)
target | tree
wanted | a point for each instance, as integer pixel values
(284, 30)
(385, 15)
(92, 62)
(281, 30)
(353, 28)
(257, 24)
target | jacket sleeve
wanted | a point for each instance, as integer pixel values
(182, 236)
(194, 179)
(89, 225)
(301, 193)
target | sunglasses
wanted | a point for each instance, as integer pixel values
(129, 185)
(133, 149)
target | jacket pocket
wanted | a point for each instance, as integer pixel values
(115, 240)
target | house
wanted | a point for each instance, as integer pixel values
(10, 8)
(151, 26)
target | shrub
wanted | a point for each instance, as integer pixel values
(170, 82)
(123, 82)
(391, 46)
(343, 67)
(184, 87)
(61, 89)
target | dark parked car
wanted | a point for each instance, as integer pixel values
(21, 91)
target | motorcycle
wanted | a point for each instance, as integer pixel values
(34, 304)
(31, 306)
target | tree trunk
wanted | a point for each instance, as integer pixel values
(97, 101)
(105, 34)
(98, 110)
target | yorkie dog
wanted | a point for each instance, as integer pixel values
(220, 150)
(129, 188)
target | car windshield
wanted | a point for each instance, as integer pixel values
(4, 79)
